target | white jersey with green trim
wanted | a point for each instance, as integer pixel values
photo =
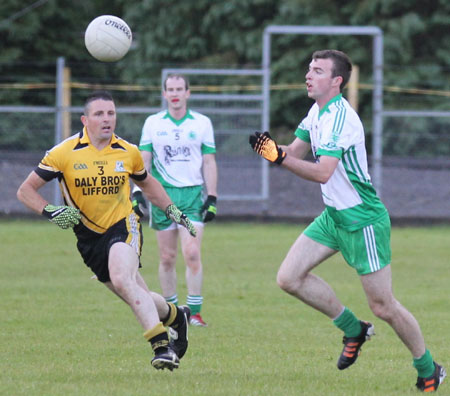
(336, 130)
(177, 147)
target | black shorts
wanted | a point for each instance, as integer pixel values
(94, 247)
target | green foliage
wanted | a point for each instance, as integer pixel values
(416, 137)
(51, 30)
(15, 132)
(63, 333)
(31, 43)
(416, 35)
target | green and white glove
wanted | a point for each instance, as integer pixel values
(177, 216)
(63, 216)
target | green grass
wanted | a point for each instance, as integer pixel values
(62, 333)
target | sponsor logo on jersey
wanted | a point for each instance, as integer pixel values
(79, 166)
(119, 167)
(330, 145)
(161, 133)
(181, 153)
(100, 185)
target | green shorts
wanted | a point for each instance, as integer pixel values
(188, 199)
(366, 250)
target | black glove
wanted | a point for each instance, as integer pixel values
(63, 216)
(210, 207)
(177, 216)
(266, 147)
(139, 203)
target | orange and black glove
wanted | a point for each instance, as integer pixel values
(266, 147)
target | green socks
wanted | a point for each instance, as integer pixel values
(348, 323)
(172, 299)
(194, 303)
(424, 365)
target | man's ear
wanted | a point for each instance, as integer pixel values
(83, 119)
(337, 81)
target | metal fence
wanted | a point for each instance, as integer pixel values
(414, 175)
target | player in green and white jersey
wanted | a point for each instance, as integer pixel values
(354, 222)
(179, 144)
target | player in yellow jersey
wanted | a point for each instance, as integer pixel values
(93, 169)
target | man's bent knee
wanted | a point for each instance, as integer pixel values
(121, 280)
(285, 282)
(385, 310)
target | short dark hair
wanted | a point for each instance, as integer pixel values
(176, 75)
(104, 95)
(342, 65)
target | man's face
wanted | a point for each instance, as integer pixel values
(176, 93)
(319, 81)
(100, 120)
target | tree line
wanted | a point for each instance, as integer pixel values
(228, 34)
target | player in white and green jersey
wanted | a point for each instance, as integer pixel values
(354, 222)
(336, 131)
(179, 144)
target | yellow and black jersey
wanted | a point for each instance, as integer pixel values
(96, 182)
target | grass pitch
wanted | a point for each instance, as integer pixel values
(62, 333)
